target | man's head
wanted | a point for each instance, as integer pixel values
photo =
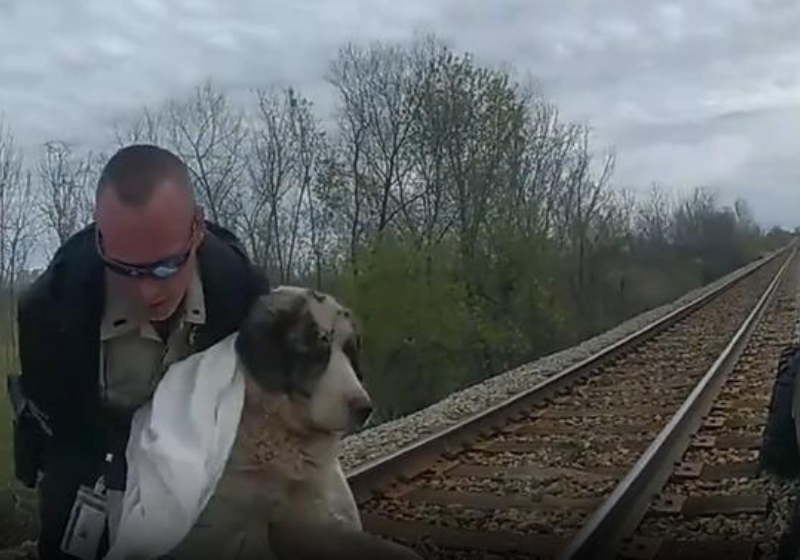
(149, 227)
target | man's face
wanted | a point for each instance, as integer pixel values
(136, 236)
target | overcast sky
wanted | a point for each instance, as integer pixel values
(690, 92)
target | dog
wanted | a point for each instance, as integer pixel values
(283, 493)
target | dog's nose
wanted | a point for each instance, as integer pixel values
(360, 409)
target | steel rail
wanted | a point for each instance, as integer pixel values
(603, 534)
(416, 457)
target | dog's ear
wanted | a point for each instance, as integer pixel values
(262, 336)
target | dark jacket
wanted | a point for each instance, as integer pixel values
(59, 323)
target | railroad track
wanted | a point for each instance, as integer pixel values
(717, 502)
(574, 467)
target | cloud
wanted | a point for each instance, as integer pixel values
(688, 92)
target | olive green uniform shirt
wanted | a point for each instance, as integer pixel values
(133, 357)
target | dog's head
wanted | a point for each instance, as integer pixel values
(304, 345)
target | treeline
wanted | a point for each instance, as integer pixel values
(468, 224)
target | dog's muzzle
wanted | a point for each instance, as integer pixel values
(360, 410)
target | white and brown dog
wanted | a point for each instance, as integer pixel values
(283, 489)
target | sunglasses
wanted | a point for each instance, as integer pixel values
(160, 270)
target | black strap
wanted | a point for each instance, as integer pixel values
(114, 471)
(22, 406)
(117, 430)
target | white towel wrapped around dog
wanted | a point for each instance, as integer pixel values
(178, 447)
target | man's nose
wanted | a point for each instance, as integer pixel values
(148, 289)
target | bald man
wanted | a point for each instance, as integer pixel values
(148, 283)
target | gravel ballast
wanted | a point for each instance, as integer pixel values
(383, 439)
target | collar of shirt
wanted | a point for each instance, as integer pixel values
(120, 317)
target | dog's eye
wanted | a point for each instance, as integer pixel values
(316, 351)
(351, 351)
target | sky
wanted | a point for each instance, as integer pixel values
(688, 92)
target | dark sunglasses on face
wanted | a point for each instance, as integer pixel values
(160, 270)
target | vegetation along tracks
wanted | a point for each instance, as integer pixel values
(568, 468)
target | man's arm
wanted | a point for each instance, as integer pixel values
(54, 459)
(31, 422)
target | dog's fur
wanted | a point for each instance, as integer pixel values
(283, 482)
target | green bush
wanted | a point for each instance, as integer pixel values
(413, 318)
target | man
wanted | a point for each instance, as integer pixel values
(148, 283)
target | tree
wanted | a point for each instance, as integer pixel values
(654, 217)
(65, 181)
(287, 151)
(380, 93)
(470, 225)
(210, 135)
(17, 238)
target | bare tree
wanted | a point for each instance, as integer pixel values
(287, 147)
(65, 179)
(430, 215)
(745, 219)
(581, 197)
(148, 127)
(307, 229)
(380, 93)
(17, 237)
(691, 220)
(550, 145)
(209, 134)
(323, 241)
(654, 217)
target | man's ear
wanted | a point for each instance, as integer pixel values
(199, 226)
(262, 340)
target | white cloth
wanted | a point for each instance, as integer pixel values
(178, 447)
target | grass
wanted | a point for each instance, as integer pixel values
(18, 519)
(6, 463)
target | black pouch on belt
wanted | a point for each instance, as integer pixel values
(30, 432)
